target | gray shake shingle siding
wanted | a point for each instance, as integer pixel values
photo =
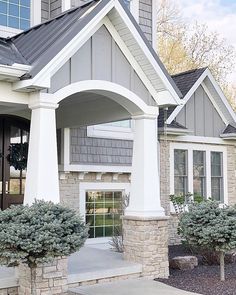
(99, 151)
(145, 18)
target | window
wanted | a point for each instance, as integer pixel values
(117, 130)
(103, 211)
(180, 171)
(199, 169)
(15, 13)
(199, 173)
(216, 176)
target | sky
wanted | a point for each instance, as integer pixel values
(219, 15)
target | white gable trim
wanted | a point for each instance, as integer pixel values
(147, 52)
(159, 97)
(42, 79)
(207, 74)
(214, 103)
(186, 98)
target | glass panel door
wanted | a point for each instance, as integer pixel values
(15, 138)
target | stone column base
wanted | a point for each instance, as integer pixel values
(51, 278)
(146, 242)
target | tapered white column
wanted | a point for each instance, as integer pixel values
(145, 179)
(42, 168)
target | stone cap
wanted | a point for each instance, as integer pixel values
(145, 218)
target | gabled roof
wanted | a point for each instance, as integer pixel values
(39, 45)
(186, 80)
(189, 82)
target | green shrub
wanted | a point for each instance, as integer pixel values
(210, 228)
(39, 233)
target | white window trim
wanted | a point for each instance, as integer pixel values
(102, 186)
(190, 147)
(35, 19)
(105, 131)
(154, 24)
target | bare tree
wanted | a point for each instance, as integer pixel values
(182, 46)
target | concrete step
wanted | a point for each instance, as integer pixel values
(129, 287)
(105, 275)
(92, 266)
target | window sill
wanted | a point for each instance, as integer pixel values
(109, 132)
(8, 31)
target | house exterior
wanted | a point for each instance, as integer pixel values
(103, 118)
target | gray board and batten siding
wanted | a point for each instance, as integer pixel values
(101, 59)
(200, 116)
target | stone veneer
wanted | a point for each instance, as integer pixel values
(70, 185)
(51, 278)
(9, 291)
(146, 242)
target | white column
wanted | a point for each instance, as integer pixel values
(145, 180)
(42, 168)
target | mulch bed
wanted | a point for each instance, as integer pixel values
(204, 279)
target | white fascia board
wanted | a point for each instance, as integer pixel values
(175, 131)
(222, 96)
(14, 71)
(228, 136)
(147, 52)
(186, 98)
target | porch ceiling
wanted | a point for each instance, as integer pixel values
(88, 108)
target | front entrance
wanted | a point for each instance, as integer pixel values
(14, 137)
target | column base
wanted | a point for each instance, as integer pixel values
(146, 242)
(51, 278)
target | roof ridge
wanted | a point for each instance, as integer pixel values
(52, 19)
(189, 72)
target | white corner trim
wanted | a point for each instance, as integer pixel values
(65, 5)
(186, 98)
(66, 147)
(154, 24)
(134, 9)
(104, 131)
(207, 148)
(36, 8)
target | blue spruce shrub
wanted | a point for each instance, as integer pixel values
(39, 233)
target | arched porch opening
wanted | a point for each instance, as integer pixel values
(90, 103)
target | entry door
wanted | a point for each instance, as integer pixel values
(14, 131)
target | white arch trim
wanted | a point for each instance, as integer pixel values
(124, 97)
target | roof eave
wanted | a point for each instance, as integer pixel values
(13, 72)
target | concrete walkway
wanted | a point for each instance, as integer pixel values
(130, 287)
